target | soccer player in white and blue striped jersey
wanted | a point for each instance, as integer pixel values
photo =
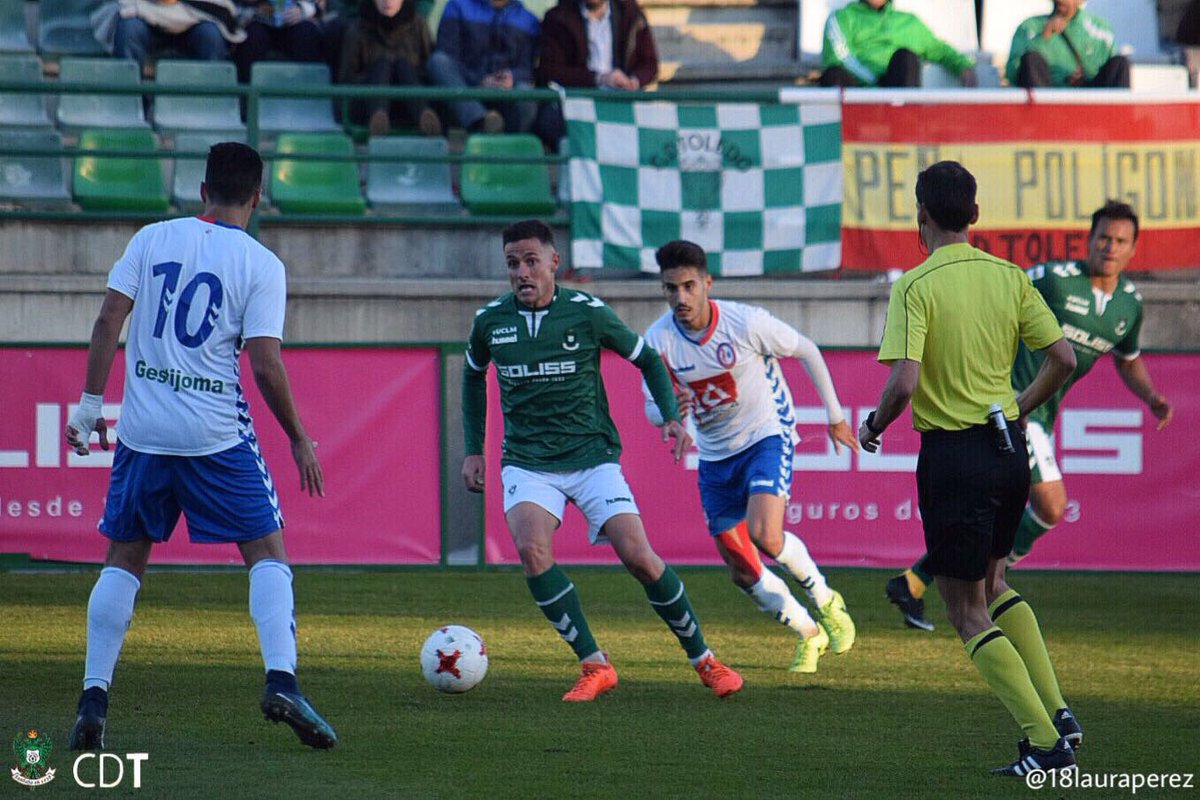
(196, 292)
(723, 358)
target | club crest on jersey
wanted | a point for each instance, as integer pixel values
(570, 342)
(726, 355)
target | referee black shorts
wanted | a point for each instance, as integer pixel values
(971, 497)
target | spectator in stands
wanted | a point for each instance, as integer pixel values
(593, 43)
(870, 43)
(1188, 32)
(491, 44)
(201, 31)
(388, 45)
(1068, 47)
(291, 27)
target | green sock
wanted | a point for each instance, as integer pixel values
(920, 569)
(556, 597)
(670, 601)
(1020, 625)
(1029, 531)
(1001, 666)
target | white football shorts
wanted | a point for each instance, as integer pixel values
(600, 492)
(1042, 466)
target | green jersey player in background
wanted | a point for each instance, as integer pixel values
(1100, 311)
(560, 444)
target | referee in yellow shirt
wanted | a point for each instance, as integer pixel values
(951, 335)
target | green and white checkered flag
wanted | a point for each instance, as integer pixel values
(758, 186)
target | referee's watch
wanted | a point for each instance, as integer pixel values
(870, 419)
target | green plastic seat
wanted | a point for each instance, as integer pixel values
(112, 183)
(65, 27)
(174, 113)
(314, 186)
(32, 181)
(13, 37)
(293, 114)
(506, 188)
(78, 111)
(416, 187)
(22, 109)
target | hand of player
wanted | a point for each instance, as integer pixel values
(674, 429)
(869, 440)
(684, 399)
(87, 418)
(473, 473)
(840, 434)
(1162, 411)
(1054, 26)
(312, 480)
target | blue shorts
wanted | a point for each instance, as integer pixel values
(726, 485)
(225, 497)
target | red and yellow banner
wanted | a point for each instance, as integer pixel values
(1042, 170)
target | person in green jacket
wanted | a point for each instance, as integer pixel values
(1068, 47)
(869, 43)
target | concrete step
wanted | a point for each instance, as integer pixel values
(735, 32)
(721, 74)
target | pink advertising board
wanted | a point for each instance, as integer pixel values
(373, 411)
(1134, 492)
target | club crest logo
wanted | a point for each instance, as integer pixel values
(570, 342)
(726, 355)
(32, 749)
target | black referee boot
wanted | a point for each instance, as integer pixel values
(912, 608)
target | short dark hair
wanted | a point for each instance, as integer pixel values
(681, 253)
(233, 173)
(947, 191)
(1114, 209)
(528, 229)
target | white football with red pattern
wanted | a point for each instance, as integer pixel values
(454, 659)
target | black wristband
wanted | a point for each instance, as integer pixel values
(871, 418)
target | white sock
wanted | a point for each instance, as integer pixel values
(272, 607)
(771, 595)
(794, 557)
(110, 609)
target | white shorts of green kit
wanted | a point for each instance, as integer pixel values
(1042, 466)
(600, 492)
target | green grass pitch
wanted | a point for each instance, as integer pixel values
(904, 714)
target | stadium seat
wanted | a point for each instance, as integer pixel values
(314, 186)
(1135, 25)
(65, 27)
(564, 173)
(173, 113)
(499, 188)
(107, 183)
(32, 180)
(13, 35)
(413, 187)
(76, 111)
(282, 114)
(950, 20)
(1158, 77)
(22, 109)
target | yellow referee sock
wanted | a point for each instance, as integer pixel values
(1001, 666)
(1020, 625)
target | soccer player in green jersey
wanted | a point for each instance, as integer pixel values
(1100, 311)
(560, 444)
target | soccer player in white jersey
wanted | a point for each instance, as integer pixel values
(724, 361)
(196, 290)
